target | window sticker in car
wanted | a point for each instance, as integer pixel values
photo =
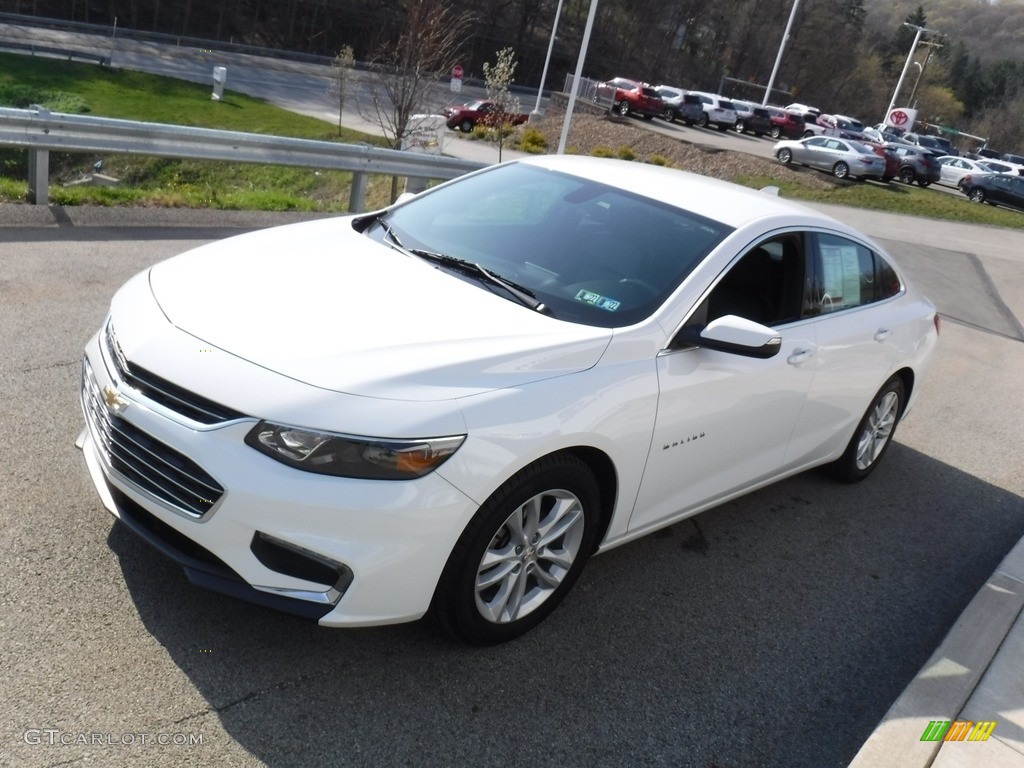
(597, 300)
(841, 276)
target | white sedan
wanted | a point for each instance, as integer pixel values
(448, 406)
(953, 169)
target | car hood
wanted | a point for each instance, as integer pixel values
(323, 304)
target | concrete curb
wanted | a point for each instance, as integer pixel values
(941, 690)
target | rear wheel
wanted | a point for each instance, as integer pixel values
(703, 122)
(874, 434)
(740, 128)
(669, 114)
(977, 195)
(521, 552)
(775, 132)
(784, 156)
(907, 175)
(622, 108)
(466, 125)
(840, 170)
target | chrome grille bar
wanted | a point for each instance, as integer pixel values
(145, 462)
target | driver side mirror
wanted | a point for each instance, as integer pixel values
(735, 335)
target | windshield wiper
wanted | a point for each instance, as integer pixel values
(523, 295)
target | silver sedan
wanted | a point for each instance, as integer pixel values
(840, 157)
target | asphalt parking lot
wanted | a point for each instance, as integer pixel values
(773, 631)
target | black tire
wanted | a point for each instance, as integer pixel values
(775, 132)
(808, 134)
(923, 183)
(740, 127)
(622, 108)
(977, 195)
(873, 435)
(841, 170)
(907, 175)
(648, 117)
(669, 115)
(466, 125)
(703, 122)
(784, 156)
(561, 486)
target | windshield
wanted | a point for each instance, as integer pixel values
(591, 253)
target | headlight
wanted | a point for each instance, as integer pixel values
(370, 458)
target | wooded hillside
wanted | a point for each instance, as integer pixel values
(843, 55)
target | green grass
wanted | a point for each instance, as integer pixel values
(894, 197)
(86, 88)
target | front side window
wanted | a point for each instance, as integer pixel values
(768, 285)
(849, 275)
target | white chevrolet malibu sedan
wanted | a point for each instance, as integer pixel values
(446, 407)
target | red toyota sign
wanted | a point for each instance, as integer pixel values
(899, 117)
(457, 71)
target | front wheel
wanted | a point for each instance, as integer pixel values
(669, 114)
(977, 195)
(466, 125)
(840, 170)
(784, 156)
(874, 434)
(907, 175)
(775, 132)
(520, 554)
(622, 108)
(740, 128)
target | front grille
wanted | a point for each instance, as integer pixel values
(145, 462)
(158, 389)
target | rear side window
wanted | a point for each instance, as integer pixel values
(848, 275)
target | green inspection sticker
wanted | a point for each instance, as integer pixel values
(597, 300)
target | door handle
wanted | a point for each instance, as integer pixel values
(799, 356)
(882, 334)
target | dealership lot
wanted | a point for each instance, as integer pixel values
(775, 630)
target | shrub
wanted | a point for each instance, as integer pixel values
(625, 153)
(532, 141)
(659, 160)
(602, 152)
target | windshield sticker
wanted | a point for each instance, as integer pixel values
(597, 300)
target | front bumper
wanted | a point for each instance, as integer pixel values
(344, 552)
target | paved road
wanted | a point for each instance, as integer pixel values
(774, 631)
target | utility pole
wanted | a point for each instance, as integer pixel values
(910, 58)
(782, 49)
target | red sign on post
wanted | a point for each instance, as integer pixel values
(899, 117)
(457, 71)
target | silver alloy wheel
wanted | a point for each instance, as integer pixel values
(878, 430)
(529, 556)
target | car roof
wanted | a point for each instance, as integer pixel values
(714, 199)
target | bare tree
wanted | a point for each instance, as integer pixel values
(342, 64)
(498, 77)
(407, 71)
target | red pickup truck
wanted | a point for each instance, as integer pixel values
(466, 116)
(629, 97)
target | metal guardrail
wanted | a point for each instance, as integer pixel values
(41, 132)
(63, 53)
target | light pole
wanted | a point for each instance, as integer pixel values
(782, 48)
(547, 59)
(903, 74)
(920, 74)
(576, 78)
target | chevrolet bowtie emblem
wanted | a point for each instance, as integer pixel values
(113, 400)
